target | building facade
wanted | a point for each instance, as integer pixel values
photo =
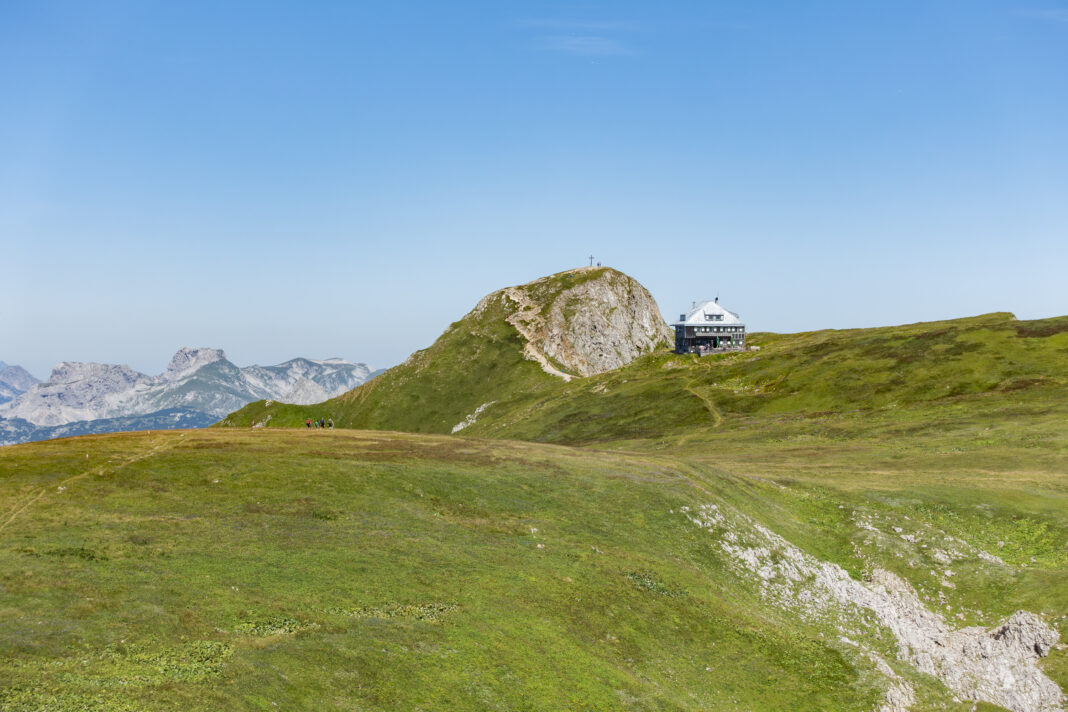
(708, 328)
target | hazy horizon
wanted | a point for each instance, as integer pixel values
(338, 180)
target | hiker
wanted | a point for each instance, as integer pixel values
(330, 423)
(322, 423)
(308, 423)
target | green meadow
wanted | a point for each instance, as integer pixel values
(540, 559)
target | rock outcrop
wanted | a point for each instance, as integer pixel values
(567, 325)
(585, 321)
(996, 665)
(187, 360)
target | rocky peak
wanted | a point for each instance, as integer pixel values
(585, 321)
(95, 391)
(190, 359)
(69, 372)
(16, 377)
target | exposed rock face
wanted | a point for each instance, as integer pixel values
(16, 430)
(16, 376)
(996, 665)
(305, 381)
(14, 381)
(586, 321)
(197, 379)
(189, 359)
(1027, 632)
(76, 391)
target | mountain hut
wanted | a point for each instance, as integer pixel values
(708, 328)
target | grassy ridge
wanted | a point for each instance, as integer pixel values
(367, 570)
(477, 359)
(918, 368)
(272, 568)
(340, 570)
(362, 570)
(909, 374)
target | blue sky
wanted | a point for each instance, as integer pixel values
(346, 179)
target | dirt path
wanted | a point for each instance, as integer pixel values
(527, 320)
(106, 468)
(717, 417)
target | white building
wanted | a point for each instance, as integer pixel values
(708, 328)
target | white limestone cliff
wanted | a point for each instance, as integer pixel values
(199, 379)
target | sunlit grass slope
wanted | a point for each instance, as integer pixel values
(478, 356)
(269, 568)
(907, 376)
(297, 570)
(905, 373)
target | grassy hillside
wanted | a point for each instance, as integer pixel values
(478, 359)
(632, 562)
(906, 373)
(275, 569)
(434, 389)
(888, 379)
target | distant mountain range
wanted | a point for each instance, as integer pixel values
(14, 381)
(17, 430)
(198, 388)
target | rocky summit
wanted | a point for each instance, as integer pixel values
(516, 341)
(602, 321)
(14, 381)
(189, 359)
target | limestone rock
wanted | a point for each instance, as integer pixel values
(585, 321)
(996, 665)
(1027, 632)
(197, 379)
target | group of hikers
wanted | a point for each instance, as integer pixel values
(321, 423)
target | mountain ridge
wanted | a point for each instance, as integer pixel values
(14, 381)
(521, 339)
(495, 373)
(200, 380)
(14, 431)
(854, 520)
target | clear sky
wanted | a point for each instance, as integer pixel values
(346, 178)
